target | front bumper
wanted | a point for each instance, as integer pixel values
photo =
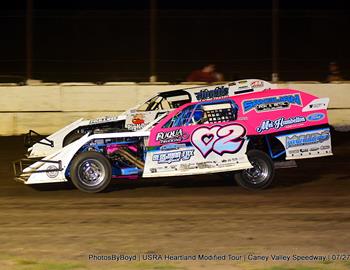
(24, 168)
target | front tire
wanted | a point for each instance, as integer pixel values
(262, 174)
(91, 172)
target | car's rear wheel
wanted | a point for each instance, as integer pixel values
(262, 174)
(91, 172)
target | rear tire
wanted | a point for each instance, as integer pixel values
(259, 177)
(91, 172)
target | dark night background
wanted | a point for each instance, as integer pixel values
(104, 40)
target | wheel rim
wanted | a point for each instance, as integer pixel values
(91, 172)
(258, 174)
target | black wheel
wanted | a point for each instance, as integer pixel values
(261, 175)
(91, 172)
(72, 138)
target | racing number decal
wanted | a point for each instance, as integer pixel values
(218, 139)
(204, 139)
(230, 139)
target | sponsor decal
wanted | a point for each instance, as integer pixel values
(315, 117)
(205, 165)
(173, 156)
(137, 122)
(103, 119)
(188, 166)
(256, 84)
(138, 119)
(271, 103)
(176, 135)
(169, 147)
(279, 123)
(325, 147)
(317, 105)
(306, 139)
(52, 174)
(218, 92)
(314, 149)
(218, 139)
(230, 160)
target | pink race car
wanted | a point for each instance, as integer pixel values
(247, 135)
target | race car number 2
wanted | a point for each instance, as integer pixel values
(218, 139)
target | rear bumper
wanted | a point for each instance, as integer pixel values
(23, 168)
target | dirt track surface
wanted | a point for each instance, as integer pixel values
(307, 212)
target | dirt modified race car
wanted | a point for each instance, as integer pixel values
(246, 136)
(139, 116)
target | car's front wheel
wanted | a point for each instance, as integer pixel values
(262, 174)
(91, 172)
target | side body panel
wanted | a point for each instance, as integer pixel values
(279, 110)
(197, 139)
(207, 148)
(297, 119)
(307, 143)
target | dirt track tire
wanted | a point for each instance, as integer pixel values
(72, 138)
(91, 172)
(261, 176)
